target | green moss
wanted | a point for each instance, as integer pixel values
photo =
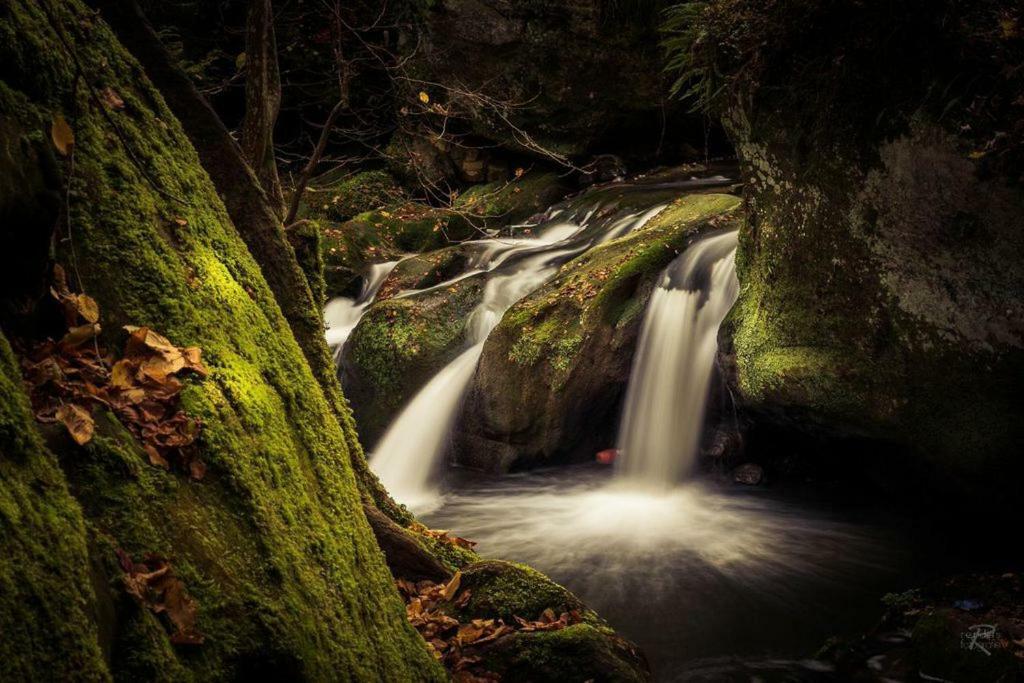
(506, 589)
(273, 541)
(400, 343)
(306, 239)
(578, 653)
(597, 287)
(344, 198)
(47, 602)
(387, 235)
(508, 202)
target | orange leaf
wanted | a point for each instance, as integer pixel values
(62, 135)
(453, 586)
(78, 421)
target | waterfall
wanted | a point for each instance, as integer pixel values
(409, 454)
(671, 376)
(342, 314)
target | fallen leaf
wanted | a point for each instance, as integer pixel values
(78, 421)
(62, 135)
(87, 308)
(155, 586)
(424, 97)
(155, 458)
(111, 98)
(79, 335)
(197, 470)
(453, 586)
(122, 374)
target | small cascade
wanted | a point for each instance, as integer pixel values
(409, 454)
(341, 314)
(671, 376)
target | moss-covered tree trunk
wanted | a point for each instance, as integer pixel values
(272, 544)
(255, 218)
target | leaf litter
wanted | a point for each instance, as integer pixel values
(459, 645)
(70, 378)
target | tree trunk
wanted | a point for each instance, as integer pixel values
(272, 544)
(252, 215)
(262, 100)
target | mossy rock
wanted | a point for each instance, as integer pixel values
(588, 650)
(48, 604)
(579, 653)
(386, 235)
(570, 344)
(426, 270)
(399, 345)
(341, 199)
(272, 544)
(509, 202)
(876, 302)
(504, 590)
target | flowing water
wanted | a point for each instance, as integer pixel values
(681, 567)
(697, 573)
(665, 403)
(408, 457)
(341, 315)
(700, 574)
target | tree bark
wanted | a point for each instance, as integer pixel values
(262, 100)
(252, 216)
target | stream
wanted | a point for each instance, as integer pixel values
(704, 576)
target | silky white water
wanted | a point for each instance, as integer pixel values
(408, 456)
(341, 314)
(668, 388)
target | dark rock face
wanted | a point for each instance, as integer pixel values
(554, 59)
(884, 230)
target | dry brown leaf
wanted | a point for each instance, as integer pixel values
(122, 374)
(81, 334)
(453, 586)
(111, 98)
(87, 308)
(155, 586)
(62, 135)
(155, 458)
(78, 421)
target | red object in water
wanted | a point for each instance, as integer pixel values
(607, 456)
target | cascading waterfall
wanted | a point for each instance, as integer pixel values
(342, 314)
(668, 388)
(408, 455)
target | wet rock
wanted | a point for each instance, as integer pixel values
(399, 344)
(508, 201)
(749, 474)
(725, 444)
(553, 373)
(587, 650)
(877, 301)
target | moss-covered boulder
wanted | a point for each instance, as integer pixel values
(386, 235)
(586, 650)
(884, 221)
(342, 198)
(404, 227)
(507, 202)
(272, 544)
(399, 345)
(553, 373)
